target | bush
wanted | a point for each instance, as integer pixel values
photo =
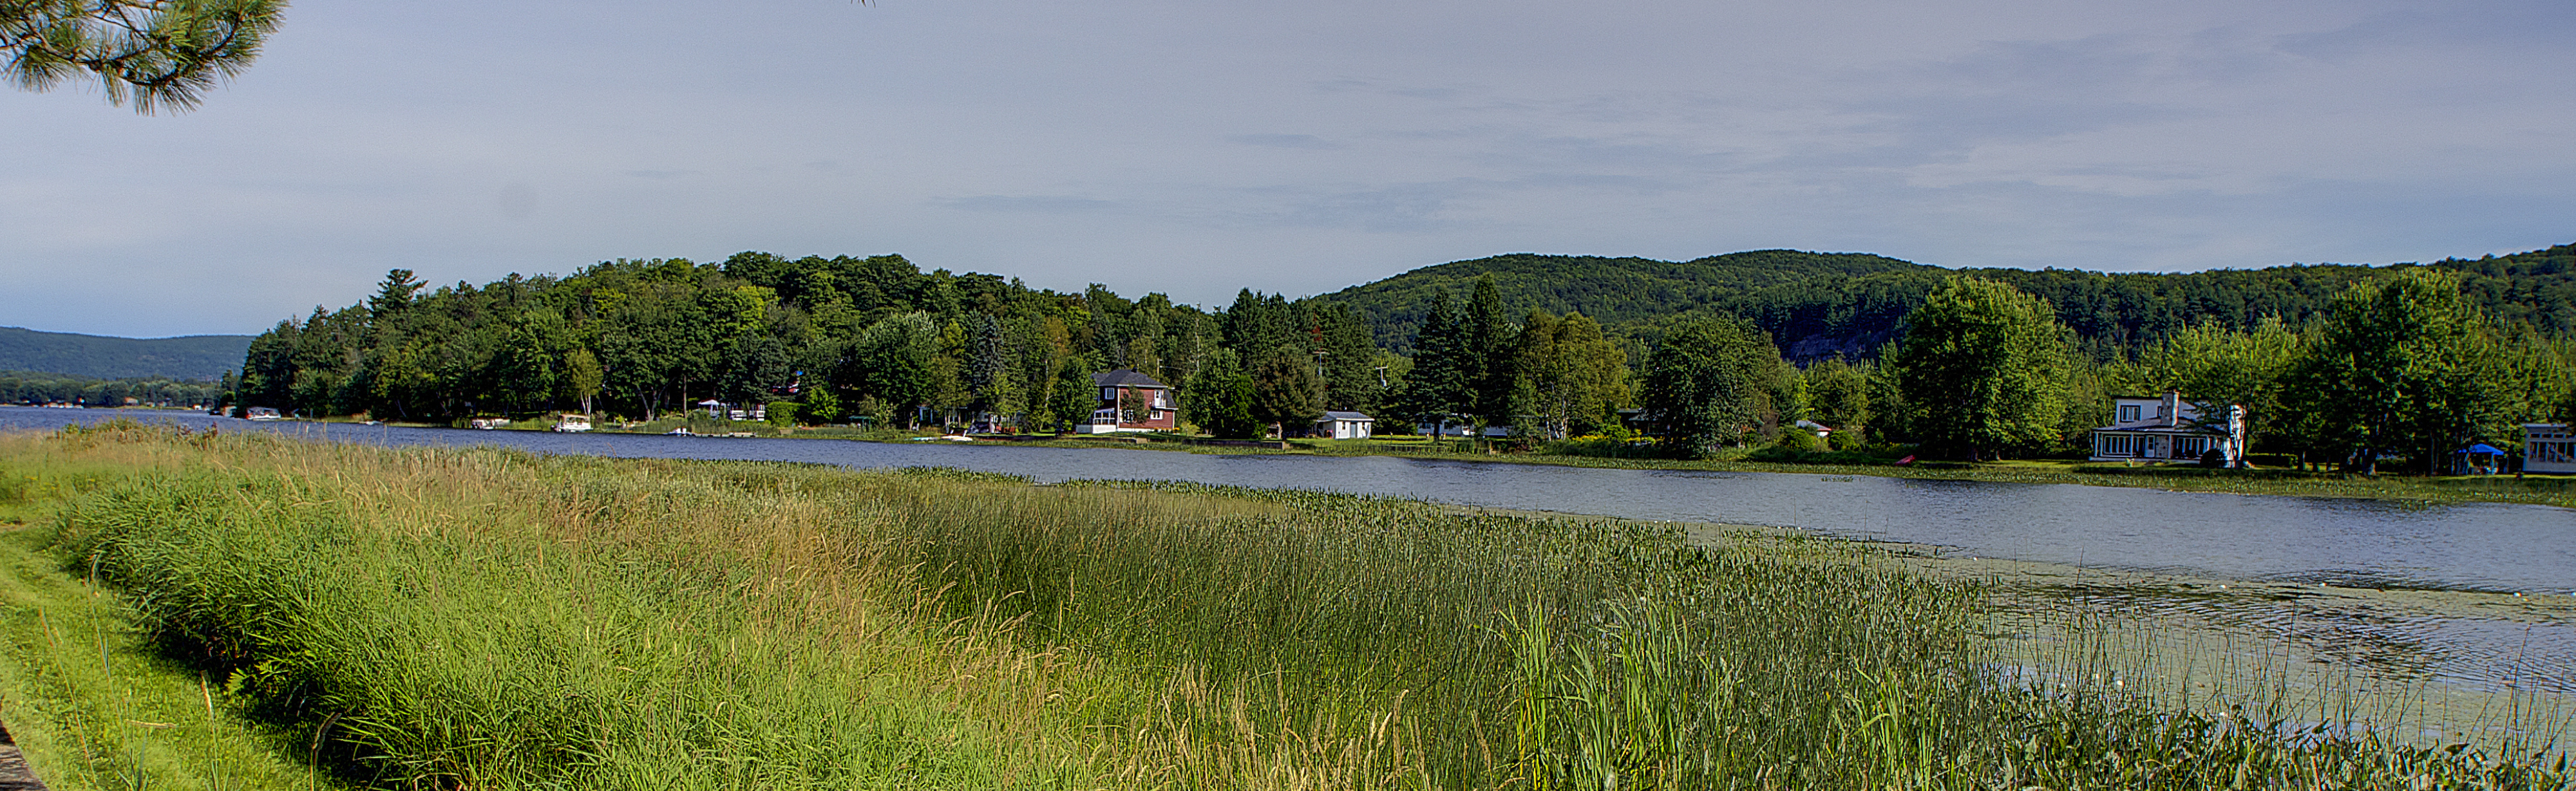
(820, 407)
(1850, 439)
(1800, 441)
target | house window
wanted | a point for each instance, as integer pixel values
(2128, 413)
(2190, 447)
(2553, 452)
(1108, 394)
(2120, 444)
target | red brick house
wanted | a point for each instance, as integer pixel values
(1153, 405)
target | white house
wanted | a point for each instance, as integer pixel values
(2168, 429)
(1344, 425)
(2548, 447)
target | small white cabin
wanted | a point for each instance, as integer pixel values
(1344, 425)
(2548, 447)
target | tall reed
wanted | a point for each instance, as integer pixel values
(494, 619)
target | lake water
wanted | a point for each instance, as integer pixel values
(2490, 547)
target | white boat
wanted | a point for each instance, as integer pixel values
(262, 413)
(570, 423)
(682, 431)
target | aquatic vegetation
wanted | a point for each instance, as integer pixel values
(490, 618)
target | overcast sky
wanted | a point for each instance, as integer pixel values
(1198, 147)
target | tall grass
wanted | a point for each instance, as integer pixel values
(484, 618)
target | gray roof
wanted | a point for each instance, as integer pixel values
(1125, 377)
(1347, 416)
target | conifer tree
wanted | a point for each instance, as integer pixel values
(153, 54)
(1436, 389)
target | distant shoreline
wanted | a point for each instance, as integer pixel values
(2554, 491)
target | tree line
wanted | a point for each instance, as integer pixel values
(835, 339)
(26, 387)
(2406, 366)
(1818, 305)
(2410, 363)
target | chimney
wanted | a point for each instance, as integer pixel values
(2173, 408)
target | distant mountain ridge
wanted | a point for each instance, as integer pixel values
(189, 357)
(1822, 304)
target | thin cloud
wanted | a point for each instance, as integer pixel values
(1028, 204)
(1308, 142)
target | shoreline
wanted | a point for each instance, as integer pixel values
(2542, 490)
(2552, 491)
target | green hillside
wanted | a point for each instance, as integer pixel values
(1820, 304)
(195, 357)
(1615, 291)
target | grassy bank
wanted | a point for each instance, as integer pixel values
(485, 618)
(92, 701)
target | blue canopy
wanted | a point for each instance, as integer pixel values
(2484, 449)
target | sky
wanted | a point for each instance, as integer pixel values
(1196, 148)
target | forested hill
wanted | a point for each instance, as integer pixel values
(193, 357)
(1820, 304)
(1613, 291)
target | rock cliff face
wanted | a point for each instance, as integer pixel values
(1851, 346)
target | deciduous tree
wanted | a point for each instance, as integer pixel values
(1986, 366)
(1705, 382)
(2402, 364)
(1838, 396)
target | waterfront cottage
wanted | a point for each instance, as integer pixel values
(1344, 425)
(2169, 429)
(2548, 447)
(1131, 401)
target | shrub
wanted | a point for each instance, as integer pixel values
(1800, 441)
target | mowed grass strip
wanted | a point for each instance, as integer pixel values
(491, 619)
